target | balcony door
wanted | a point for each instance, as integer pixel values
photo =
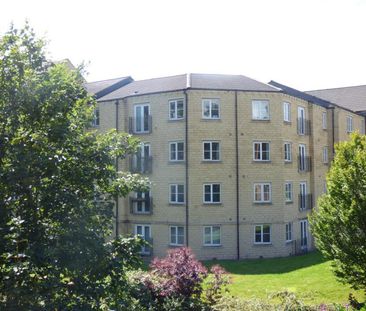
(302, 157)
(302, 196)
(304, 234)
(141, 159)
(145, 232)
(142, 113)
(301, 120)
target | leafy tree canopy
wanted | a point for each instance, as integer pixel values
(339, 225)
(53, 227)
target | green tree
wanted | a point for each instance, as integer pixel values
(57, 183)
(339, 225)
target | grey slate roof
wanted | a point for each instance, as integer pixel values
(102, 88)
(296, 93)
(194, 81)
(352, 97)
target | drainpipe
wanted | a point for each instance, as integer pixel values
(117, 169)
(237, 177)
(187, 176)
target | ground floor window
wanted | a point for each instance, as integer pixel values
(212, 235)
(176, 235)
(262, 234)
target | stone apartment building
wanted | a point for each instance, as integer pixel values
(236, 165)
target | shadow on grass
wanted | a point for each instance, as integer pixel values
(270, 265)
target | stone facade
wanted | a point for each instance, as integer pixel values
(247, 214)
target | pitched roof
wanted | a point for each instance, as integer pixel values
(352, 97)
(302, 95)
(186, 81)
(102, 88)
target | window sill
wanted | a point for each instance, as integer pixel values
(262, 203)
(288, 162)
(287, 122)
(212, 203)
(211, 161)
(289, 242)
(263, 244)
(289, 202)
(210, 119)
(176, 120)
(177, 204)
(262, 161)
(261, 120)
(212, 246)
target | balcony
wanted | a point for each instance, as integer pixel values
(305, 202)
(303, 127)
(304, 163)
(141, 206)
(140, 125)
(141, 165)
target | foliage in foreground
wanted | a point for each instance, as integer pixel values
(57, 185)
(339, 225)
(179, 280)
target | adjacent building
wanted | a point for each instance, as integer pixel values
(236, 165)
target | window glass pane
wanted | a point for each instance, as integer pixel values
(180, 109)
(172, 113)
(172, 193)
(207, 235)
(216, 235)
(173, 152)
(265, 151)
(173, 235)
(215, 151)
(206, 109)
(215, 110)
(257, 151)
(258, 192)
(266, 192)
(258, 234)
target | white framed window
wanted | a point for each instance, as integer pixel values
(210, 109)
(262, 192)
(262, 234)
(325, 155)
(288, 192)
(212, 235)
(176, 109)
(288, 236)
(96, 117)
(176, 151)
(324, 120)
(176, 194)
(287, 147)
(261, 151)
(145, 232)
(211, 151)
(286, 112)
(349, 124)
(142, 121)
(260, 109)
(211, 193)
(176, 235)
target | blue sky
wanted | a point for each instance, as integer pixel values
(308, 44)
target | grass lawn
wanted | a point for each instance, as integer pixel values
(309, 276)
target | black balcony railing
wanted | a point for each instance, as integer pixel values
(303, 127)
(304, 163)
(141, 165)
(305, 202)
(141, 206)
(140, 125)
